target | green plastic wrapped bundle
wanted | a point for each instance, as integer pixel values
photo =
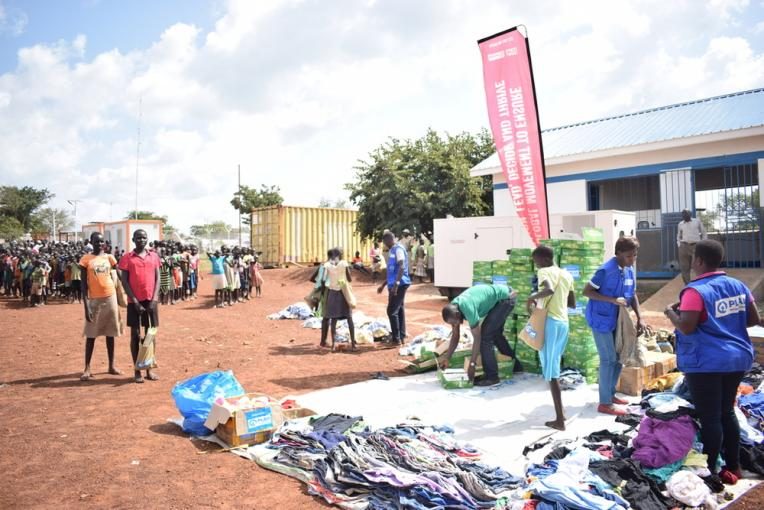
(482, 269)
(519, 257)
(528, 357)
(501, 267)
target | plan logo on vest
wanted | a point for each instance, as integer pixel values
(730, 305)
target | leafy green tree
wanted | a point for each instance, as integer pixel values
(48, 219)
(326, 203)
(214, 230)
(739, 210)
(145, 215)
(248, 198)
(21, 203)
(10, 228)
(167, 229)
(409, 183)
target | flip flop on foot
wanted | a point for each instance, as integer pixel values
(115, 371)
(139, 379)
(151, 376)
(86, 376)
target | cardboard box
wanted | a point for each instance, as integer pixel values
(505, 363)
(297, 412)
(249, 426)
(633, 379)
(454, 378)
(664, 362)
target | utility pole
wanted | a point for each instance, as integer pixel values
(138, 154)
(240, 201)
(76, 232)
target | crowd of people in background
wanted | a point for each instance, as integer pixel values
(236, 273)
(38, 271)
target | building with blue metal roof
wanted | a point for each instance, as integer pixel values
(705, 155)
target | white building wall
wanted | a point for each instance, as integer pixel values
(562, 197)
(653, 157)
(567, 197)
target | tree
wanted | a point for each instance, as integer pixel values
(10, 228)
(217, 229)
(326, 203)
(53, 220)
(21, 203)
(145, 215)
(739, 209)
(409, 183)
(167, 229)
(248, 198)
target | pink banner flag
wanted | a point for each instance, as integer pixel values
(514, 122)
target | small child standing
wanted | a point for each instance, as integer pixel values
(256, 275)
(244, 279)
(165, 279)
(38, 282)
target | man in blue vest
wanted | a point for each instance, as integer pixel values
(397, 283)
(714, 351)
(612, 286)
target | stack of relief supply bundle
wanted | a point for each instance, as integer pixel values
(582, 258)
(522, 281)
(482, 272)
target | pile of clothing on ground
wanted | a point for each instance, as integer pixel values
(649, 459)
(571, 378)
(367, 329)
(653, 459)
(432, 338)
(299, 311)
(408, 466)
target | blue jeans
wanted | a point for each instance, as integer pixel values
(610, 365)
(397, 313)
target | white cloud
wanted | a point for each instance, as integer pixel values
(296, 91)
(726, 9)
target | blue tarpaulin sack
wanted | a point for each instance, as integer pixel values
(194, 398)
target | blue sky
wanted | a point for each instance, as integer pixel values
(127, 25)
(297, 91)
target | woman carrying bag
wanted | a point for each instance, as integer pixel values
(338, 297)
(555, 296)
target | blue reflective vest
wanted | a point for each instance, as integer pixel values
(393, 264)
(721, 343)
(617, 282)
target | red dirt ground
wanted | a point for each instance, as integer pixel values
(107, 443)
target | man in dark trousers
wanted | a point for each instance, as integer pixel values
(397, 283)
(490, 304)
(140, 278)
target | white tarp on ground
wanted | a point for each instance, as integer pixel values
(500, 421)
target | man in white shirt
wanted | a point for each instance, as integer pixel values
(689, 231)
